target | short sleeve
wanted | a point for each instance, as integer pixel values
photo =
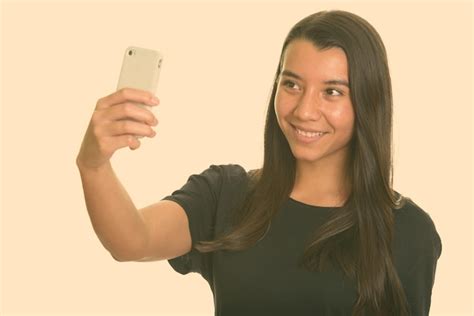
(198, 197)
(424, 279)
(423, 272)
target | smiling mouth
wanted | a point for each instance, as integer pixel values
(308, 134)
(307, 138)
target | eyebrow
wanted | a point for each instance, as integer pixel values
(333, 81)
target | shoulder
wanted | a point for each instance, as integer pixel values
(230, 171)
(412, 213)
(221, 172)
(225, 179)
(414, 223)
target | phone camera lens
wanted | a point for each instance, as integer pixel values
(130, 52)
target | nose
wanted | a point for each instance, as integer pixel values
(309, 106)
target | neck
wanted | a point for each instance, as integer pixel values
(323, 182)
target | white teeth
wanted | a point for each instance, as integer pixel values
(308, 134)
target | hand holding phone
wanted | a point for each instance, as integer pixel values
(140, 70)
(114, 123)
(122, 117)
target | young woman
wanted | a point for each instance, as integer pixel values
(318, 230)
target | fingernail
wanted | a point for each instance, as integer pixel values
(154, 100)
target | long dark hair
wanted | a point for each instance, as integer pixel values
(358, 236)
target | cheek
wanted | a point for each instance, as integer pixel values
(342, 117)
(277, 102)
(281, 105)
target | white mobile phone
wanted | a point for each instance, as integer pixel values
(140, 70)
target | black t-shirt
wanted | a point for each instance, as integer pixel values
(265, 279)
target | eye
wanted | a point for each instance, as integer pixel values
(288, 83)
(331, 91)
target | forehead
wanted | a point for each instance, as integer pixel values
(303, 57)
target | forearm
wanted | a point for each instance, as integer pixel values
(114, 217)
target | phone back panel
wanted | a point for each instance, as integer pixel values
(140, 69)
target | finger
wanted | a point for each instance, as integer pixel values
(129, 127)
(123, 141)
(131, 141)
(133, 111)
(125, 95)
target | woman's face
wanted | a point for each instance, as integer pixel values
(313, 94)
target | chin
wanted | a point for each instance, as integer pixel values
(307, 155)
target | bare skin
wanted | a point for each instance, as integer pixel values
(314, 104)
(114, 122)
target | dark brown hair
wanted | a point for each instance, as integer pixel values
(358, 236)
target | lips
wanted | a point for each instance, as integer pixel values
(305, 138)
(307, 129)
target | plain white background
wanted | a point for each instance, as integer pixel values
(220, 59)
